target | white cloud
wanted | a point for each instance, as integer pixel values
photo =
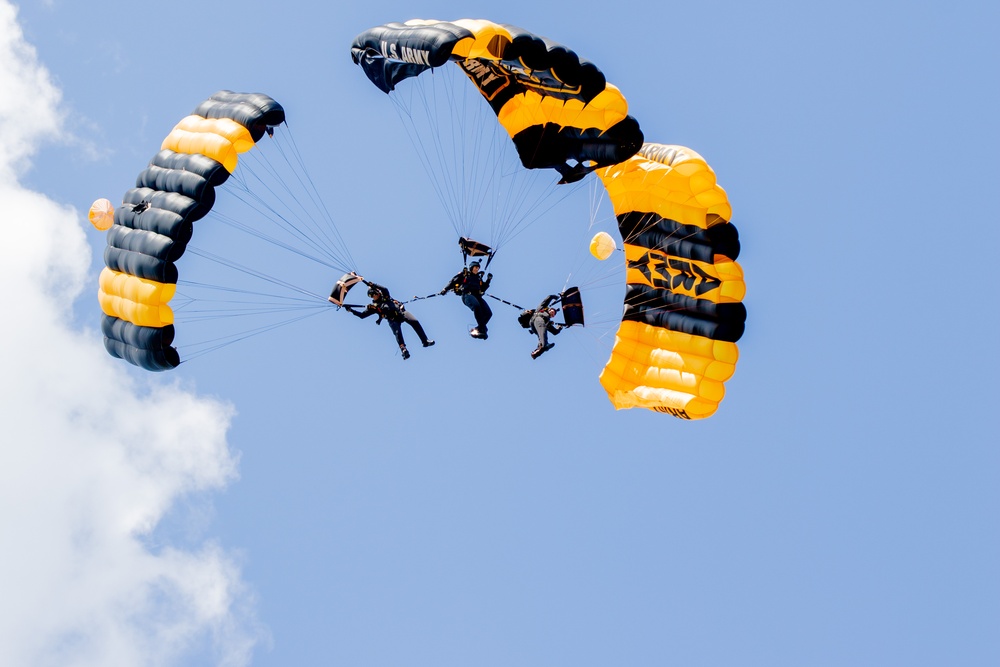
(90, 461)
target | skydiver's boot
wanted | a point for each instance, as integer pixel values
(428, 342)
(539, 351)
(406, 353)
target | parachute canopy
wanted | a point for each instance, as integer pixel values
(558, 109)
(102, 214)
(602, 245)
(153, 225)
(683, 304)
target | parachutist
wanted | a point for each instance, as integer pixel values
(469, 285)
(541, 323)
(394, 313)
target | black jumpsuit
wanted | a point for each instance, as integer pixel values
(395, 314)
(471, 287)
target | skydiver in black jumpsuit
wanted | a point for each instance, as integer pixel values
(393, 312)
(470, 286)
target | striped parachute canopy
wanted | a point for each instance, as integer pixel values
(683, 304)
(153, 225)
(556, 107)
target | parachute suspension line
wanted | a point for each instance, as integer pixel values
(264, 185)
(308, 230)
(456, 127)
(448, 126)
(432, 100)
(489, 258)
(605, 275)
(470, 160)
(251, 272)
(253, 200)
(539, 209)
(300, 170)
(232, 222)
(486, 175)
(237, 290)
(213, 313)
(235, 338)
(184, 302)
(467, 123)
(438, 183)
(470, 149)
(597, 199)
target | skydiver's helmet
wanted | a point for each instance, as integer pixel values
(374, 293)
(474, 265)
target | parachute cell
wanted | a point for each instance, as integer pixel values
(151, 229)
(683, 305)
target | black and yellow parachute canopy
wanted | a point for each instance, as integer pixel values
(559, 109)
(156, 220)
(684, 307)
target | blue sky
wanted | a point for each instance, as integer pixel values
(304, 497)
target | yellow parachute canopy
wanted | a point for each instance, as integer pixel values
(602, 245)
(102, 214)
(683, 306)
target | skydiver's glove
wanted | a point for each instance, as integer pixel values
(489, 276)
(443, 292)
(350, 309)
